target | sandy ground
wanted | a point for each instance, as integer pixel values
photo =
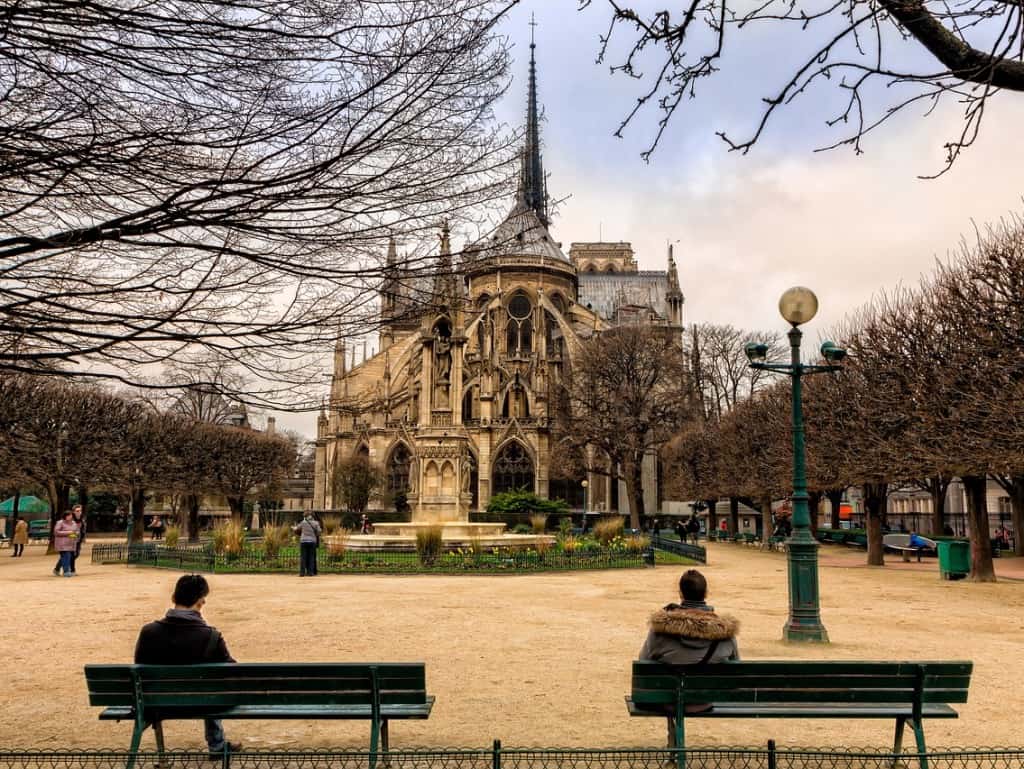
(532, 660)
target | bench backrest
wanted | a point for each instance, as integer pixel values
(802, 681)
(903, 540)
(230, 684)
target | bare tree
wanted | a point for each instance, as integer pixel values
(964, 52)
(222, 177)
(626, 396)
(207, 390)
(354, 480)
(720, 366)
(242, 460)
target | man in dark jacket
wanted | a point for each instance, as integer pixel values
(182, 637)
(690, 634)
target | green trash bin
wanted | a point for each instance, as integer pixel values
(954, 559)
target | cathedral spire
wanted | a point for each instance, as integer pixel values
(444, 275)
(532, 186)
(673, 274)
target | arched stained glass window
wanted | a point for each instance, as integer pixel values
(519, 328)
(513, 469)
(398, 469)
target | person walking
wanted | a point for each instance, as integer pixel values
(20, 538)
(79, 516)
(157, 524)
(76, 511)
(309, 531)
(693, 528)
(65, 533)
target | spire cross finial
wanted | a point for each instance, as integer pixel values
(533, 24)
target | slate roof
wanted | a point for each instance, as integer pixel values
(520, 234)
(605, 292)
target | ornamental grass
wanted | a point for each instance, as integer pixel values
(608, 528)
(429, 544)
(275, 537)
(338, 544)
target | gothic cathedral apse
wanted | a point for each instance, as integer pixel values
(454, 407)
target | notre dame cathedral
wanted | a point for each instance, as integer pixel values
(454, 406)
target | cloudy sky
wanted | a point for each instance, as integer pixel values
(748, 227)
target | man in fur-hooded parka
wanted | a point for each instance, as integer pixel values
(690, 633)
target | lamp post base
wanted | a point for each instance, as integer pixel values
(805, 633)
(804, 622)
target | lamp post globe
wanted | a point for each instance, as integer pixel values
(798, 305)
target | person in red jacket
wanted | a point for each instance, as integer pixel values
(182, 637)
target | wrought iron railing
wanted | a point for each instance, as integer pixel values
(696, 552)
(500, 757)
(462, 560)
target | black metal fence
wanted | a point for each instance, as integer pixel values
(202, 558)
(499, 757)
(696, 552)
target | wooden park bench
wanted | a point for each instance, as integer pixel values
(901, 542)
(39, 530)
(148, 695)
(906, 692)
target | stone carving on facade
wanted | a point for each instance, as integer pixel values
(468, 463)
(442, 370)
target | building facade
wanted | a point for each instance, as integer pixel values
(455, 405)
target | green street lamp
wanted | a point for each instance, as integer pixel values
(799, 305)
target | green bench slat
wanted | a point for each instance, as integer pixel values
(801, 696)
(824, 710)
(711, 681)
(816, 667)
(180, 699)
(253, 685)
(417, 711)
(395, 670)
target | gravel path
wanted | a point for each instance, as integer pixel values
(533, 660)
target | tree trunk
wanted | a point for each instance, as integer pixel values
(635, 491)
(982, 569)
(766, 519)
(712, 515)
(12, 519)
(813, 503)
(83, 498)
(875, 498)
(835, 500)
(937, 487)
(734, 515)
(138, 513)
(1017, 512)
(237, 507)
(193, 517)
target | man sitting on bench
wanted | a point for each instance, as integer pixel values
(182, 637)
(690, 634)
